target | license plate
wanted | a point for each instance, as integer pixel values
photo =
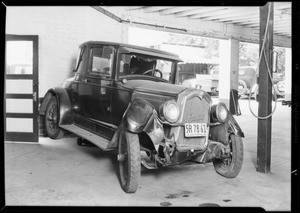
(195, 129)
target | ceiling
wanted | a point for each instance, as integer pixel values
(237, 15)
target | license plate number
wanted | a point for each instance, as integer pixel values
(195, 129)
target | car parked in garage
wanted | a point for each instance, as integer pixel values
(124, 97)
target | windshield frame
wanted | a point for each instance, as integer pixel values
(173, 67)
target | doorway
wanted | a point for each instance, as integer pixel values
(21, 88)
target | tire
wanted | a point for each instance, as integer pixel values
(129, 158)
(52, 119)
(279, 94)
(243, 90)
(230, 168)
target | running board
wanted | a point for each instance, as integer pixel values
(99, 141)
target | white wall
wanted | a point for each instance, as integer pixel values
(61, 30)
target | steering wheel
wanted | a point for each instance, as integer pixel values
(153, 70)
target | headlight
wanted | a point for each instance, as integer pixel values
(219, 113)
(169, 111)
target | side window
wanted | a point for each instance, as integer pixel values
(101, 62)
(79, 68)
(125, 65)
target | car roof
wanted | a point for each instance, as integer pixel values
(128, 48)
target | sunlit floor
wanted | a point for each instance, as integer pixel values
(61, 173)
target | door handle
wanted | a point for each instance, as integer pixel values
(34, 96)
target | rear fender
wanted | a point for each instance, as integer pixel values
(221, 132)
(64, 103)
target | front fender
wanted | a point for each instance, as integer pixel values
(221, 132)
(65, 107)
(137, 115)
(140, 116)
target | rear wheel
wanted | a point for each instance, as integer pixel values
(129, 158)
(51, 120)
(230, 167)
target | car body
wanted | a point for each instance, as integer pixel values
(124, 97)
(206, 82)
(248, 83)
(247, 79)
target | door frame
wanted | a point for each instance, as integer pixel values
(23, 136)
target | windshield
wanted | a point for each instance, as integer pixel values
(134, 64)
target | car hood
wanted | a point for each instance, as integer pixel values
(161, 88)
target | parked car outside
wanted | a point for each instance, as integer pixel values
(247, 79)
(248, 83)
(123, 97)
(206, 82)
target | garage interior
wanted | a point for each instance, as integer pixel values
(44, 172)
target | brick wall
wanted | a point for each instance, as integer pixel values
(61, 30)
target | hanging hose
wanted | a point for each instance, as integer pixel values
(262, 52)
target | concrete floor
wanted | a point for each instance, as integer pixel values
(61, 173)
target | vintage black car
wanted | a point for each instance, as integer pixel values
(125, 98)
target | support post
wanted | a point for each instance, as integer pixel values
(288, 74)
(228, 69)
(265, 91)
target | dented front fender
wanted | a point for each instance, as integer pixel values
(137, 115)
(154, 129)
(141, 116)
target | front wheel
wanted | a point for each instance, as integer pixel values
(129, 158)
(51, 120)
(230, 167)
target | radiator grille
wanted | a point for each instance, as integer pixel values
(195, 111)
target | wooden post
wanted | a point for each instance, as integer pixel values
(265, 91)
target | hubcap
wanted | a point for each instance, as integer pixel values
(52, 117)
(121, 157)
(227, 161)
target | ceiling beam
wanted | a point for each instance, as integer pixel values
(215, 14)
(194, 11)
(287, 21)
(153, 9)
(282, 6)
(173, 10)
(244, 13)
(207, 12)
(129, 8)
(233, 20)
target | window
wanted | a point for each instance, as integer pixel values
(134, 64)
(19, 57)
(79, 65)
(101, 61)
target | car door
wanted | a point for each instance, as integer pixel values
(94, 88)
